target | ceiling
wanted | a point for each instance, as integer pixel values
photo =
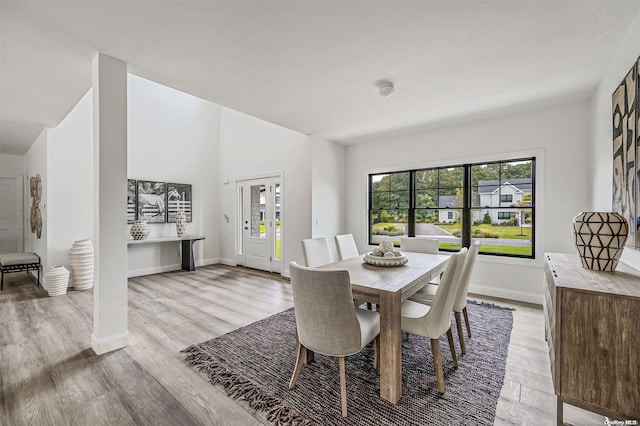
(312, 66)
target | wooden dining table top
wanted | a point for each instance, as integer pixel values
(407, 278)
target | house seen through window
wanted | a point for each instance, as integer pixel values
(490, 201)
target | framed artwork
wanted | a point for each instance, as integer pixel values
(35, 217)
(179, 198)
(151, 197)
(131, 200)
(626, 153)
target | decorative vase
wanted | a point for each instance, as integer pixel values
(139, 230)
(81, 261)
(181, 222)
(57, 280)
(600, 238)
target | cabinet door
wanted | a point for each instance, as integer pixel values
(599, 355)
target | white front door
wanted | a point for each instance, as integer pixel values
(260, 220)
(10, 231)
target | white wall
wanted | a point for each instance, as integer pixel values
(36, 163)
(70, 181)
(328, 191)
(251, 148)
(558, 137)
(14, 166)
(173, 137)
(11, 165)
(602, 130)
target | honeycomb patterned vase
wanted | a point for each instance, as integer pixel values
(139, 230)
(181, 222)
(600, 239)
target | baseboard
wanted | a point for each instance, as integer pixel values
(228, 262)
(168, 268)
(153, 270)
(506, 294)
(206, 262)
(110, 343)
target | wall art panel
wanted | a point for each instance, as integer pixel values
(626, 153)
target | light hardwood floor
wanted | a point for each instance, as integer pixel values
(49, 375)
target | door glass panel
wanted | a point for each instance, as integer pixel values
(258, 209)
(240, 218)
(278, 222)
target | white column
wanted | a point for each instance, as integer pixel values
(110, 328)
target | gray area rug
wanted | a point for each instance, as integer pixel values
(254, 364)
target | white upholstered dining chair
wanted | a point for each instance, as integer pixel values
(327, 322)
(347, 246)
(419, 244)
(316, 252)
(432, 321)
(427, 293)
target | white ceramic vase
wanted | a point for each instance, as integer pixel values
(139, 230)
(600, 239)
(181, 222)
(57, 280)
(81, 258)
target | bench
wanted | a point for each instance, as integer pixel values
(18, 262)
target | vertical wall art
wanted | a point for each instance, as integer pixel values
(131, 200)
(35, 217)
(626, 153)
(178, 198)
(152, 201)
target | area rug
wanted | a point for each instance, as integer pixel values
(254, 364)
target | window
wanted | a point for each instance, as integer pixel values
(506, 215)
(490, 201)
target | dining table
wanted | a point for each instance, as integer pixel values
(388, 287)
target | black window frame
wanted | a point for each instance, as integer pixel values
(467, 201)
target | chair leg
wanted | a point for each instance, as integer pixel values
(452, 347)
(463, 346)
(307, 355)
(466, 320)
(298, 367)
(437, 361)
(343, 386)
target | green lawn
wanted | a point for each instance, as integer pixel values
(263, 230)
(486, 248)
(508, 232)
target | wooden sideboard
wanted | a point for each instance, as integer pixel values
(592, 326)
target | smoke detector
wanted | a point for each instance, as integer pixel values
(385, 88)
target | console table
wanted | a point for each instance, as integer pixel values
(591, 327)
(187, 242)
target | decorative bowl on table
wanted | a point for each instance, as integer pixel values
(385, 255)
